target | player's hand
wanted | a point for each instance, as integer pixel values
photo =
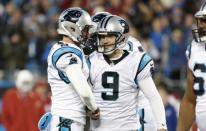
(93, 115)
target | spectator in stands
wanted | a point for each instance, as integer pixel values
(16, 112)
(176, 61)
(39, 103)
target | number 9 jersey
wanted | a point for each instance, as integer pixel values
(115, 87)
(196, 54)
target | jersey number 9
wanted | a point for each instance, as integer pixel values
(110, 81)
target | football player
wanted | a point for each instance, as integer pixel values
(143, 107)
(67, 75)
(193, 105)
(117, 75)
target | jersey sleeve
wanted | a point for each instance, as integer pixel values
(145, 68)
(64, 57)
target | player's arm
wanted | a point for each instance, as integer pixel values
(147, 86)
(187, 107)
(150, 91)
(78, 80)
(71, 65)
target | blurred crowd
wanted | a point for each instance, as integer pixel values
(28, 30)
(23, 105)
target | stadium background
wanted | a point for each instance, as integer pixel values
(28, 30)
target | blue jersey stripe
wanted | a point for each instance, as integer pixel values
(64, 129)
(89, 66)
(88, 63)
(60, 52)
(189, 50)
(130, 44)
(143, 62)
(142, 121)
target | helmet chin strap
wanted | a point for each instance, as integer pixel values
(116, 48)
(109, 52)
(115, 55)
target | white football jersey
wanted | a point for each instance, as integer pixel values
(134, 45)
(115, 87)
(196, 54)
(65, 101)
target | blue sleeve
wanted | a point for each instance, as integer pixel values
(143, 62)
(142, 66)
(60, 52)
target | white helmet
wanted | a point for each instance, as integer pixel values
(73, 22)
(114, 25)
(24, 81)
(199, 33)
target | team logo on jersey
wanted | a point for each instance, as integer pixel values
(65, 123)
(73, 60)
